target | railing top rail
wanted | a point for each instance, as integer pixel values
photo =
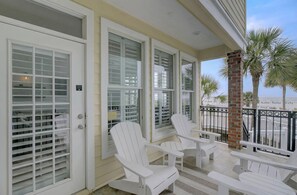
(248, 111)
(274, 113)
(214, 109)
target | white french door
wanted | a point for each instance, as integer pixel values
(42, 140)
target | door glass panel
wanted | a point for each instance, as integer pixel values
(44, 174)
(22, 89)
(24, 185)
(43, 90)
(62, 117)
(62, 168)
(43, 146)
(44, 62)
(40, 118)
(22, 59)
(43, 118)
(22, 120)
(22, 153)
(61, 90)
(62, 142)
(62, 67)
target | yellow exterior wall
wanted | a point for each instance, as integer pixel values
(109, 169)
(236, 9)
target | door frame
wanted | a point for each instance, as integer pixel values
(87, 17)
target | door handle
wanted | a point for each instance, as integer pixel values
(80, 126)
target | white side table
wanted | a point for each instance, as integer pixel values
(172, 145)
(269, 184)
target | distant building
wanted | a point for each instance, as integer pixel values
(274, 103)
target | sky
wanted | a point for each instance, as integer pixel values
(261, 14)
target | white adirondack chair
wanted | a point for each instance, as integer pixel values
(140, 177)
(261, 185)
(225, 184)
(198, 147)
(249, 161)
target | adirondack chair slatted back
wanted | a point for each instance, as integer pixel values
(129, 143)
(182, 126)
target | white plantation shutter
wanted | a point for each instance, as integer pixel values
(163, 88)
(187, 89)
(40, 150)
(124, 80)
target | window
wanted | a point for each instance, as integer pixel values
(124, 81)
(164, 88)
(187, 88)
(124, 61)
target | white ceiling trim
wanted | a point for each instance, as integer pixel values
(218, 12)
(170, 17)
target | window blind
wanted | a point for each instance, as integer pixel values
(163, 88)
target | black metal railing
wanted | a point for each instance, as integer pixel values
(275, 128)
(215, 119)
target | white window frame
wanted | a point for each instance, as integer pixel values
(161, 133)
(108, 26)
(196, 85)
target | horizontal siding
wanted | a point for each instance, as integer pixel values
(109, 169)
(236, 9)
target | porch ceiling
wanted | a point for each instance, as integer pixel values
(170, 17)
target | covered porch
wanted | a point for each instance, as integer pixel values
(194, 180)
(121, 60)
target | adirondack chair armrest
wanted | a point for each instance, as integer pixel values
(251, 145)
(253, 158)
(196, 140)
(234, 184)
(174, 153)
(138, 169)
(206, 133)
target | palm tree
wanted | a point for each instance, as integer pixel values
(224, 70)
(280, 71)
(247, 98)
(257, 54)
(208, 87)
(293, 62)
(222, 98)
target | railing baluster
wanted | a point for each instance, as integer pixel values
(280, 132)
(289, 131)
(226, 126)
(273, 130)
(266, 133)
(259, 127)
(294, 116)
(221, 125)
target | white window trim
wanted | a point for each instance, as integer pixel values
(196, 85)
(106, 27)
(87, 16)
(158, 134)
